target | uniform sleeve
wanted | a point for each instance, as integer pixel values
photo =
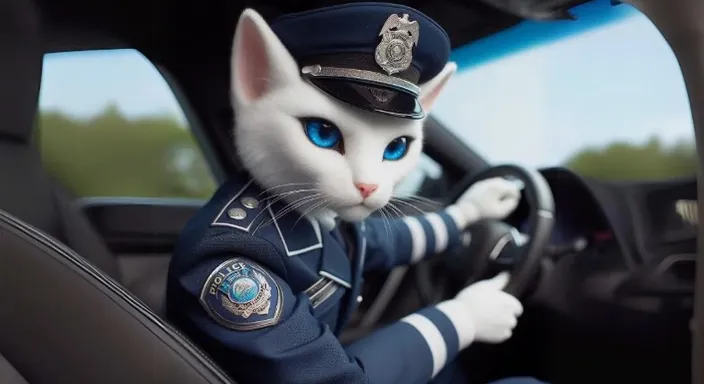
(410, 239)
(258, 330)
(416, 348)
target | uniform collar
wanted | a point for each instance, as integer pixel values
(247, 207)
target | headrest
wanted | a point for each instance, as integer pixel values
(20, 68)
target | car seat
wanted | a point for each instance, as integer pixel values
(64, 321)
(26, 190)
(65, 318)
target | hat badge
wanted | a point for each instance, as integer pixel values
(398, 36)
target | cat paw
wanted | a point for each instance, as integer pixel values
(493, 198)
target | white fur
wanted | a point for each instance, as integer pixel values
(269, 98)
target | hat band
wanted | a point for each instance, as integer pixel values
(361, 76)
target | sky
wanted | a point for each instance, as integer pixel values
(535, 107)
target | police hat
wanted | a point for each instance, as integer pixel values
(370, 55)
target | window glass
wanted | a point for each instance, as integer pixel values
(109, 125)
(608, 101)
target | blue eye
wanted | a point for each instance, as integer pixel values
(322, 133)
(397, 148)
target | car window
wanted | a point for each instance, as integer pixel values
(110, 125)
(607, 102)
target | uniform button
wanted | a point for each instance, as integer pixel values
(237, 214)
(250, 202)
(359, 299)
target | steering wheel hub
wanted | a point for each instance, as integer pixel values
(506, 249)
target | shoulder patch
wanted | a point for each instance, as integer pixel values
(241, 295)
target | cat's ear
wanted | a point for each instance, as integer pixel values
(430, 91)
(259, 62)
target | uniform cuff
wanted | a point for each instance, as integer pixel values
(460, 317)
(463, 214)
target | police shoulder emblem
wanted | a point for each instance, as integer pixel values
(241, 295)
(398, 36)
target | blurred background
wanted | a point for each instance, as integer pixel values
(541, 94)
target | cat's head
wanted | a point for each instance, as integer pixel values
(312, 150)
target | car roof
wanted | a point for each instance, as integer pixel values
(154, 25)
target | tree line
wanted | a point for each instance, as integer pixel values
(113, 155)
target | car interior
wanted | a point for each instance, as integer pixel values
(609, 283)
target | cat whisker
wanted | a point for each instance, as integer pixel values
(385, 220)
(421, 198)
(292, 192)
(399, 213)
(408, 204)
(270, 203)
(273, 200)
(286, 185)
(313, 207)
(432, 204)
(325, 206)
(291, 207)
(300, 203)
(313, 200)
(297, 203)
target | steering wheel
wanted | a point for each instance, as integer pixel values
(496, 245)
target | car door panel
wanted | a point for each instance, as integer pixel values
(142, 234)
(136, 225)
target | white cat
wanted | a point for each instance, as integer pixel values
(325, 159)
(275, 107)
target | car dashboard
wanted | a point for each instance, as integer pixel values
(579, 216)
(613, 244)
(625, 294)
(624, 242)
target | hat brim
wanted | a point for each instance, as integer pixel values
(372, 96)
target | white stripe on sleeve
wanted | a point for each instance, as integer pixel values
(439, 230)
(417, 237)
(433, 337)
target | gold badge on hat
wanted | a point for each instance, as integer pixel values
(398, 36)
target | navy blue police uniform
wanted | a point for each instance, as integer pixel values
(265, 292)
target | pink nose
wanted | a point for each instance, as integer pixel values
(366, 189)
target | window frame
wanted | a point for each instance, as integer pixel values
(195, 123)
